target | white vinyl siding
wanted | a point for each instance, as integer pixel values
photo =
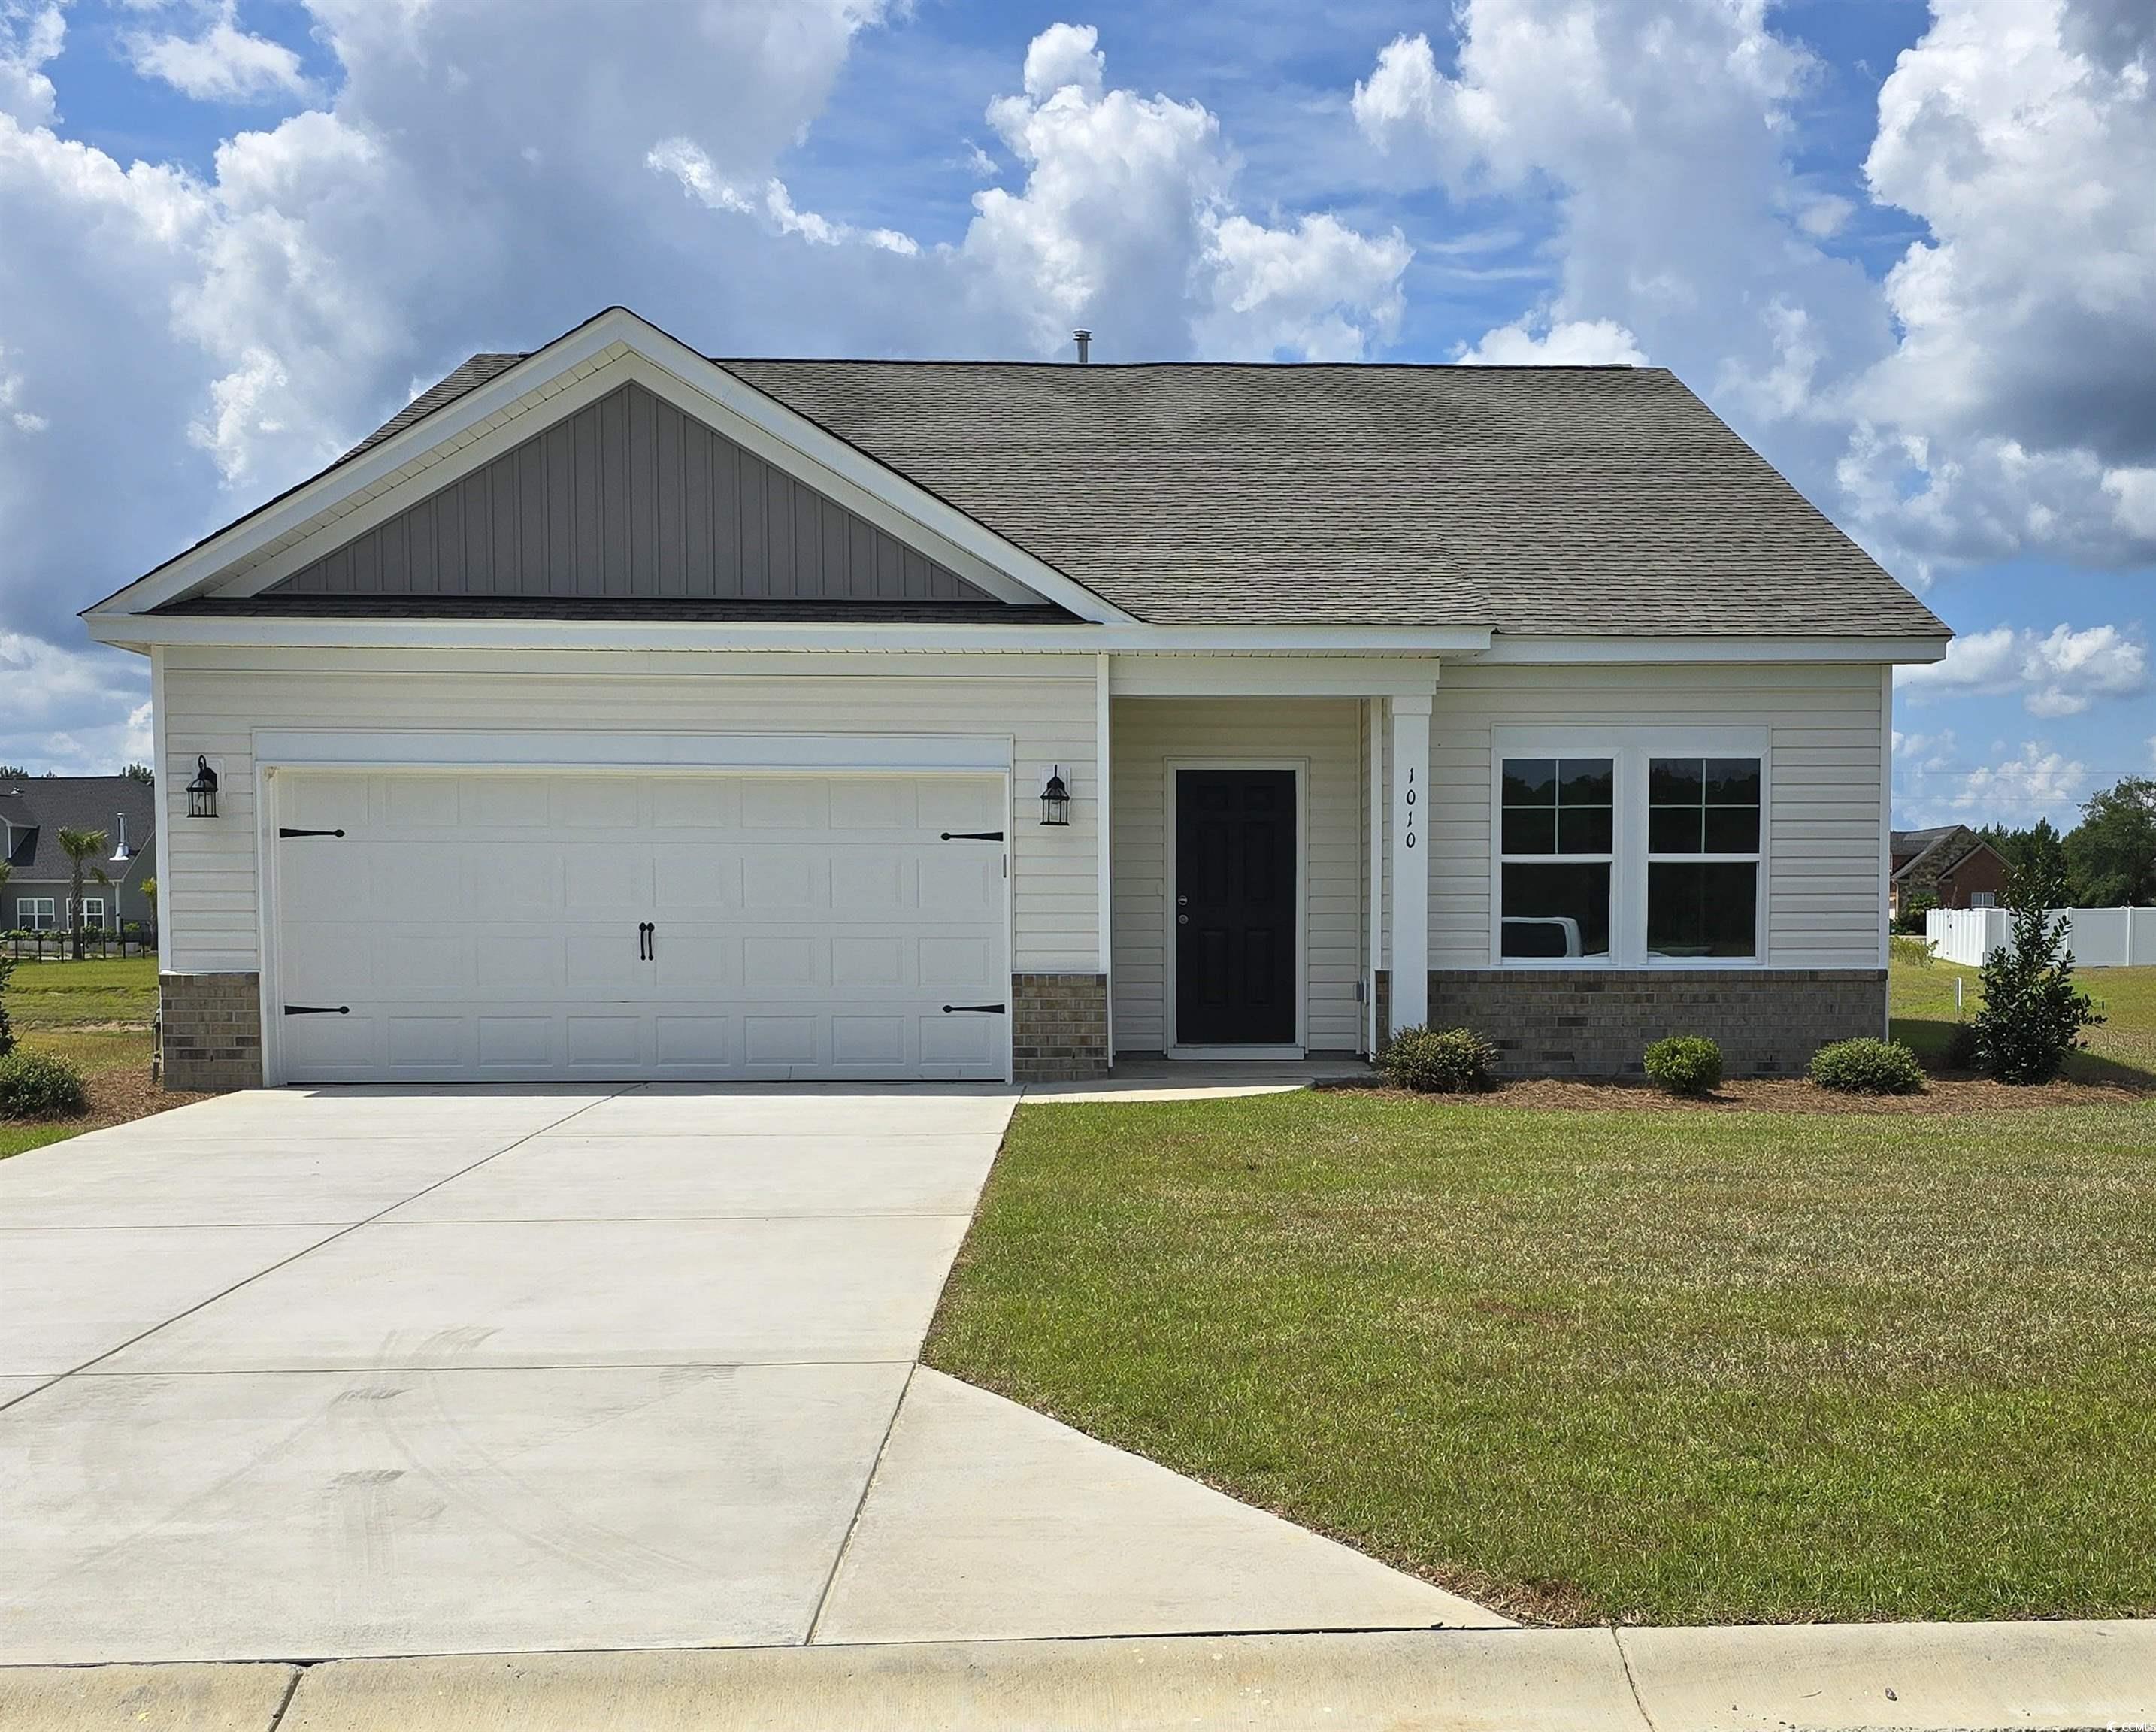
(1823, 825)
(1323, 737)
(217, 698)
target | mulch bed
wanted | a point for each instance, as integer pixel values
(122, 1096)
(1949, 1094)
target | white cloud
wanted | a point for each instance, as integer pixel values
(222, 63)
(1933, 784)
(1573, 342)
(1065, 56)
(688, 164)
(30, 37)
(2062, 672)
(1127, 223)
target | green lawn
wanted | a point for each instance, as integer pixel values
(1658, 1366)
(2121, 1050)
(96, 1014)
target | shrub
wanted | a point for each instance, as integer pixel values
(1961, 1047)
(1438, 1061)
(1911, 920)
(1867, 1066)
(6, 1031)
(1908, 947)
(1685, 1064)
(36, 1085)
(2033, 1014)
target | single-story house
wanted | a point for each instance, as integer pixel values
(615, 712)
(33, 811)
(1950, 863)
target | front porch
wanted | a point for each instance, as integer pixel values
(1252, 852)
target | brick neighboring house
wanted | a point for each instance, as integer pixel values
(33, 813)
(1952, 864)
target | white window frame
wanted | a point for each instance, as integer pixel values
(93, 914)
(1630, 748)
(31, 910)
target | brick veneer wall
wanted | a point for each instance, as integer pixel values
(1595, 1023)
(209, 1030)
(1059, 1027)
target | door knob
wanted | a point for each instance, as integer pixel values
(1183, 920)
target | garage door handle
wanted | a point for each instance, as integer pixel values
(645, 948)
(287, 835)
(973, 835)
(318, 1010)
(972, 1010)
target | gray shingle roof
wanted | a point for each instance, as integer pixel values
(1537, 500)
(56, 803)
(468, 377)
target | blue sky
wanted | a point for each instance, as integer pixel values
(1908, 249)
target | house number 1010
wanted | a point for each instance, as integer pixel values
(1408, 828)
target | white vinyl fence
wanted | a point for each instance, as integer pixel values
(2098, 938)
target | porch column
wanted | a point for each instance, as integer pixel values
(1406, 957)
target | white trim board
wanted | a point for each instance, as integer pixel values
(1171, 769)
(1507, 651)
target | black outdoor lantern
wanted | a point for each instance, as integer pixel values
(1055, 799)
(202, 792)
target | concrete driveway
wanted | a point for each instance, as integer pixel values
(300, 1375)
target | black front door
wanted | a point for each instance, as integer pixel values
(1235, 907)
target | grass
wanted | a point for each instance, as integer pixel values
(97, 1015)
(2121, 1049)
(1657, 1367)
(70, 994)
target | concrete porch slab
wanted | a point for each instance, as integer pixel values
(1166, 1079)
(580, 1292)
(299, 1515)
(986, 1519)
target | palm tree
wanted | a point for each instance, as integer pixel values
(80, 846)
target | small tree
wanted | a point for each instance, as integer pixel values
(80, 846)
(2033, 1014)
(7, 1029)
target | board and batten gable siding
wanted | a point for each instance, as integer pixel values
(1145, 734)
(215, 699)
(1823, 840)
(628, 498)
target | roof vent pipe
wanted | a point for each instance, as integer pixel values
(1085, 345)
(122, 852)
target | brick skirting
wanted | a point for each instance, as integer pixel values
(1596, 1023)
(1059, 1027)
(209, 1032)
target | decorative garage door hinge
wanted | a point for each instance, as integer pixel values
(318, 1010)
(973, 1010)
(284, 835)
(973, 835)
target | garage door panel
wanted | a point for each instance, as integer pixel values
(768, 802)
(518, 961)
(487, 926)
(781, 879)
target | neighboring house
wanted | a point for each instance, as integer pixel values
(618, 712)
(1952, 864)
(33, 813)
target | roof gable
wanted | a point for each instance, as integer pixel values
(629, 498)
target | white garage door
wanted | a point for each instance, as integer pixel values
(517, 926)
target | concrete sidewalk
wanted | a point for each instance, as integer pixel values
(1926, 1677)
